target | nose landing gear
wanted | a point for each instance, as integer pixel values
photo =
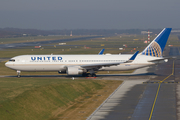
(18, 73)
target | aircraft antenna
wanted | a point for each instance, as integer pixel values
(148, 36)
(71, 33)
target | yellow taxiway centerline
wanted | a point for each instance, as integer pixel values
(158, 91)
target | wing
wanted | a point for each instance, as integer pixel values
(99, 65)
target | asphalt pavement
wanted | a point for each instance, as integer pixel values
(37, 43)
(154, 98)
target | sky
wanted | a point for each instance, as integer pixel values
(89, 14)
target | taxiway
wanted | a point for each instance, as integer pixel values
(154, 98)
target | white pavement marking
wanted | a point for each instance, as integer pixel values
(178, 100)
(114, 99)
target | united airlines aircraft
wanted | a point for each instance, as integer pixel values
(88, 65)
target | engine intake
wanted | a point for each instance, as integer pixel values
(73, 71)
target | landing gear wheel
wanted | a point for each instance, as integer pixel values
(93, 75)
(18, 73)
(88, 75)
(18, 76)
(85, 74)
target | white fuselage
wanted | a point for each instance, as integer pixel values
(60, 62)
(88, 64)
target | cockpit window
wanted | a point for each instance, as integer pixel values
(12, 60)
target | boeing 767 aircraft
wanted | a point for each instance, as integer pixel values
(88, 65)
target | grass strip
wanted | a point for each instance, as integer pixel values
(51, 98)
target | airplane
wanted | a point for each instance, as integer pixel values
(88, 65)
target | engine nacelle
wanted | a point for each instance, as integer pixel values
(73, 71)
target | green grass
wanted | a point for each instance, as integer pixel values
(37, 98)
(33, 38)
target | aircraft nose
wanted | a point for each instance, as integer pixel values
(7, 64)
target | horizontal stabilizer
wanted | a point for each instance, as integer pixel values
(156, 60)
(161, 59)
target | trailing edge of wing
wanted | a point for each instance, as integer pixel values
(97, 66)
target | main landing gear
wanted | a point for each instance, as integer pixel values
(18, 73)
(89, 75)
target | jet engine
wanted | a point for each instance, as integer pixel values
(73, 71)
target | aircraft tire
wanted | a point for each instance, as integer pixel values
(18, 76)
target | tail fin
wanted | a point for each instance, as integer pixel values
(101, 52)
(156, 47)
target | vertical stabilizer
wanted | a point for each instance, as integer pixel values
(101, 52)
(156, 47)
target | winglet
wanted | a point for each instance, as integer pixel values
(133, 57)
(101, 52)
